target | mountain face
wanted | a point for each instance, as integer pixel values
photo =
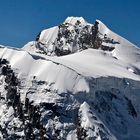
(76, 81)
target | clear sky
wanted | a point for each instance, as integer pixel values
(22, 20)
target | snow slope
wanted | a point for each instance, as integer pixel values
(125, 51)
(87, 94)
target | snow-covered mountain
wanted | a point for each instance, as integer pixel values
(75, 81)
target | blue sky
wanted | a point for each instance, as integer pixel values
(22, 20)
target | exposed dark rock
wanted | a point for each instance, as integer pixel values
(131, 109)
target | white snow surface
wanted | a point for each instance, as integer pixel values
(49, 35)
(89, 63)
(73, 20)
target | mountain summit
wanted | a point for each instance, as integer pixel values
(76, 81)
(74, 35)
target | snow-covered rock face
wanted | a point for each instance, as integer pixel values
(93, 93)
(74, 35)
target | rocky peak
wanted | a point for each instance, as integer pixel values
(72, 36)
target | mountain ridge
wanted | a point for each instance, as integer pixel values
(88, 92)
